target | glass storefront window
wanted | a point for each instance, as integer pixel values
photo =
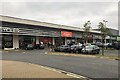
(26, 40)
(7, 41)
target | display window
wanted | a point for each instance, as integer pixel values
(26, 40)
(7, 41)
(45, 40)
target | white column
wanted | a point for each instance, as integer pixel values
(15, 41)
(53, 41)
(65, 41)
(94, 40)
(37, 39)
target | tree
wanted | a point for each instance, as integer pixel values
(86, 29)
(104, 32)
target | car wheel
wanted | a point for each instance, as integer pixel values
(92, 52)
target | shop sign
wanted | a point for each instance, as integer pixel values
(44, 33)
(7, 29)
(77, 35)
(66, 34)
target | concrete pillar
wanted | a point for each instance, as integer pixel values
(76, 40)
(65, 41)
(53, 41)
(37, 39)
(105, 41)
(15, 41)
(94, 40)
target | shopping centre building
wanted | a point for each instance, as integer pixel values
(16, 31)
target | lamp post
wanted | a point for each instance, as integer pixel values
(105, 26)
(105, 22)
(89, 27)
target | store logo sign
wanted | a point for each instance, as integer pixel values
(7, 29)
(66, 34)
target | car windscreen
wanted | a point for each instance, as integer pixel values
(89, 47)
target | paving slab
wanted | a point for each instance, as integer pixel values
(16, 69)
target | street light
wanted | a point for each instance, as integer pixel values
(88, 28)
(105, 22)
(105, 26)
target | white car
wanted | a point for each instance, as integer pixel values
(92, 49)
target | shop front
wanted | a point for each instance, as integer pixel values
(15, 38)
(78, 37)
(26, 40)
(7, 41)
(9, 37)
(66, 37)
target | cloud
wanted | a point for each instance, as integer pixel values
(65, 13)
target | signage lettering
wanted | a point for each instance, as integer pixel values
(7, 29)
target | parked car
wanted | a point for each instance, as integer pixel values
(106, 45)
(39, 46)
(27, 46)
(117, 45)
(92, 49)
(87, 44)
(63, 48)
(99, 44)
(76, 48)
(42, 46)
(110, 45)
(30, 47)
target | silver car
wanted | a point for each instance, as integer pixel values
(91, 49)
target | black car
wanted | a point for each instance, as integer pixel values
(91, 49)
(63, 48)
(76, 48)
(39, 46)
(27, 46)
(117, 45)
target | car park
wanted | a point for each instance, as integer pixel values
(91, 49)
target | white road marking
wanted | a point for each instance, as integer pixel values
(67, 73)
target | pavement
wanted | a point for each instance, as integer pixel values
(17, 69)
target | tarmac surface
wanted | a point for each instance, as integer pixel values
(91, 67)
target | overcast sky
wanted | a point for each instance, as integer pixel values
(65, 13)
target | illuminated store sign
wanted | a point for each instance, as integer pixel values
(66, 34)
